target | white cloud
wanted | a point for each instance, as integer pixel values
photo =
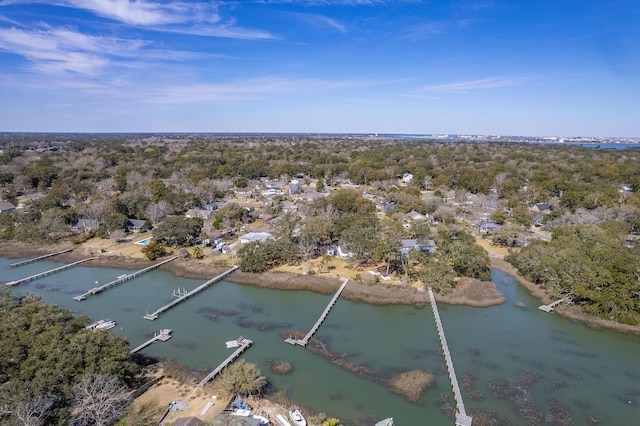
(472, 85)
(58, 50)
(186, 17)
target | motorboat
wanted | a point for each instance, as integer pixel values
(296, 417)
(104, 324)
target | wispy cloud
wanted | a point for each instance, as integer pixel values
(251, 89)
(480, 84)
(319, 21)
(188, 17)
(337, 2)
(59, 50)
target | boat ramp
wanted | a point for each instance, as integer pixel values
(334, 299)
(187, 295)
(35, 259)
(163, 336)
(121, 279)
(461, 415)
(243, 343)
(49, 272)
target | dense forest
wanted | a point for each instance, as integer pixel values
(54, 371)
(358, 194)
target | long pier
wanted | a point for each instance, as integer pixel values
(163, 336)
(244, 344)
(121, 279)
(35, 259)
(461, 415)
(334, 299)
(49, 272)
(185, 296)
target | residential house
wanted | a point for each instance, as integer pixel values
(428, 247)
(537, 220)
(6, 207)
(415, 216)
(542, 208)
(215, 205)
(255, 237)
(242, 192)
(136, 225)
(488, 227)
(407, 178)
(202, 214)
(335, 250)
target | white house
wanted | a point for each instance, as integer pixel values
(255, 237)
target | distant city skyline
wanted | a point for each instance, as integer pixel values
(480, 67)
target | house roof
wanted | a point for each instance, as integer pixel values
(189, 421)
(5, 205)
(253, 237)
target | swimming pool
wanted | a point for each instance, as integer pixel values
(144, 242)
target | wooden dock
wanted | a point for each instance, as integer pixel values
(461, 415)
(550, 307)
(49, 272)
(163, 336)
(185, 296)
(334, 299)
(121, 279)
(35, 259)
(244, 344)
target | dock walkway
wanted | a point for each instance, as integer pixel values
(121, 279)
(35, 259)
(334, 299)
(551, 306)
(244, 344)
(49, 272)
(165, 334)
(461, 415)
(185, 296)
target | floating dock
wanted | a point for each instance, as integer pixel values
(185, 296)
(461, 415)
(121, 279)
(244, 344)
(35, 259)
(163, 336)
(551, 306)
(49, 272)
(334, 299)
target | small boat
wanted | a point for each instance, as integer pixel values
(104, 324)
(296, 417)
(232, 344)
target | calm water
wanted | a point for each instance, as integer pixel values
(594, 374)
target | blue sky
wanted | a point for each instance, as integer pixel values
(534, 67)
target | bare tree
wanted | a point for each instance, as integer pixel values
(99, 400)
(22, 408)
(158, 211)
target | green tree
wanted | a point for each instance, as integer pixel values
(178, 231)
(242, 378)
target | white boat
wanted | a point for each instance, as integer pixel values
(232, 344)
(104, 324)
(296, 417)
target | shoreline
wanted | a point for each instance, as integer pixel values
(469, 292)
